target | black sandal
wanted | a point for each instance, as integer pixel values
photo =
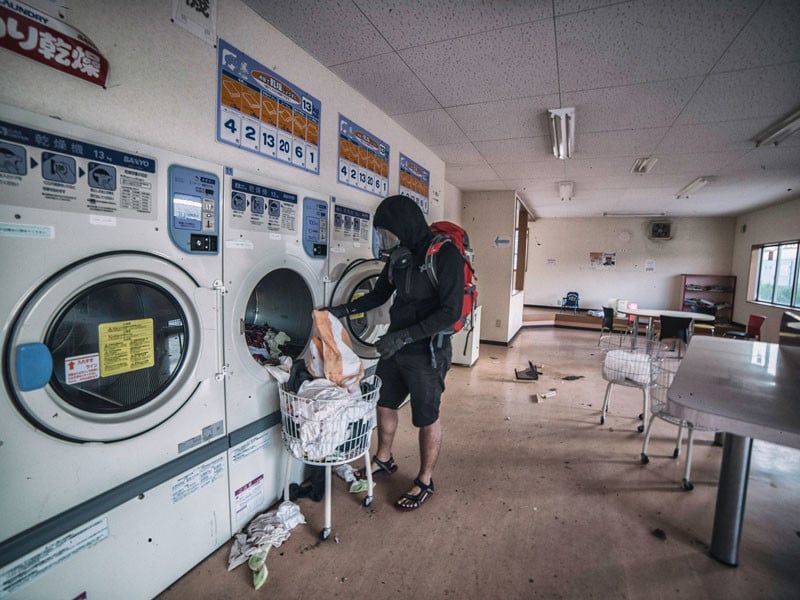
(385, 467)
(418, 499)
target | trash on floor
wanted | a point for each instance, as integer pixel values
(660, 534)
(571, 377)
(529, 374)
(251, 546)
(548, 394)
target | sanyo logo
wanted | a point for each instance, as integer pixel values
(137, 162)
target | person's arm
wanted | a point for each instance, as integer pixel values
(382, 291)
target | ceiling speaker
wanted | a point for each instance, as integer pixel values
(660, 230)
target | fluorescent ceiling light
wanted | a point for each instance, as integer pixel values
(694, 186)
(634, 214)
(643, 165)
(776, 133)
(566, 190)
(562, 131)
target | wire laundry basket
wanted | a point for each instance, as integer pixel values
(329, 431)
(667, 368)
(632, 367)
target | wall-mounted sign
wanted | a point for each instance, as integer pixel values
(415, 182)
(363, 159)
(47, 40)
(198, 17)
(261, 112)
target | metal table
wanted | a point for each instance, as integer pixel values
(749, 390)
(652, 313)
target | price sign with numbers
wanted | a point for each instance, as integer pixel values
(363, 159)
(415, 182)
(264, 113)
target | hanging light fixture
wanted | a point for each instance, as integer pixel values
(695, 185)
(562, 131)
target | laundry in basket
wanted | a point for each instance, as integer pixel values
(621, 366)
(330, 354)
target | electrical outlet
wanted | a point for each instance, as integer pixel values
(497, 323)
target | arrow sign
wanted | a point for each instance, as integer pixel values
(498, 241)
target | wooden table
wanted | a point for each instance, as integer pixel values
(749, 390)
(652, 313)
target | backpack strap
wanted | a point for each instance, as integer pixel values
(430, 264)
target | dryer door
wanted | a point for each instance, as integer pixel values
(364, 328)
(125, 332)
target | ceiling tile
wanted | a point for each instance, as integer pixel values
(308, 24)
(417, 22)
(549, 170)
(388, 82)
(771, 37)
(630, 142)
(694, 165)
(459, 154)
(630, 107)
(503, 119)
(431, 127)
(761, 92)
(516, 150)
(515, 62)
(482, 186)
(709, 137)
(458, 174)
(647, 40)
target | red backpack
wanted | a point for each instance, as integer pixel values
(446, 232)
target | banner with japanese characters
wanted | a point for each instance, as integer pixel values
(39, 36)
(415, 182)
(363, 159)
(263, 113)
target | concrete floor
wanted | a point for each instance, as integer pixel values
(536, 500)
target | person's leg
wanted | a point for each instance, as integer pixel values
(430, 442)
(387, 427)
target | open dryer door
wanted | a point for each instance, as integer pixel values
(357, 280)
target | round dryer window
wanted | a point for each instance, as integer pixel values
(126, 333)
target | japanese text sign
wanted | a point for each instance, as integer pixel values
(45, 39)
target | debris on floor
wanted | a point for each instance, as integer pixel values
(660, 534)
(548, 394)
(571, 377)
(529, 374)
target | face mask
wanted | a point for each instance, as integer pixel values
(387, 241)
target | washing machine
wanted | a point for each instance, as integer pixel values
(111, 306)
(134, 550)
(272, 282)
(353, 268)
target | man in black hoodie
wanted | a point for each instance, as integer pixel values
(415, 352)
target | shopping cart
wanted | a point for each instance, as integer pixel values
(329, 432)
(632, 367)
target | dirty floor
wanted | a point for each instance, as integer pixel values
(536, 500)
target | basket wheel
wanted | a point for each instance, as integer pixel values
(367, 501)
(640, 428)
(645, 459)
(325, 533)
(687, 485)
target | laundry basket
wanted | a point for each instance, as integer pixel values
(632, 367)
(328, 432)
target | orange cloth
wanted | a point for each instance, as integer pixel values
(330, 353)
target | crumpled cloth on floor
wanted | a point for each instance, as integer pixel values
(267, 528)
(323, 414)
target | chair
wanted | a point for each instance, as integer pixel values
(632, 318)
(571, 300)
(609, 324)
(704, 325)
(658, 409)
(676, 329)
(753, 330)
(631, 367)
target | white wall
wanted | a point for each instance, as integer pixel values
(453, 204)
(558, 259)
(162, 91)
(487, 215)
(777, 223)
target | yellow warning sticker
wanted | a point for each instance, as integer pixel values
(356, 296)
(126, 346)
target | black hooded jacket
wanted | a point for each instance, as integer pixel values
(419, 308)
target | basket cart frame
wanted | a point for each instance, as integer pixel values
(328, 432)
(667, 367)
(631, 366)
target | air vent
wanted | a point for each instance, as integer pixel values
(660, 230)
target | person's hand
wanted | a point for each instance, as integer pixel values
(338, 311)
(390, 343)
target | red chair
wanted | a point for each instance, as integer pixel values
(753, 330)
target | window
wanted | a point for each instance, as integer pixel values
(777, 278)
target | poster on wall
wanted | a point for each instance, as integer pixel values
(363, 159)
(263, 113)
(197, 17)
(603, 261)
(34, 34)
(415, 182)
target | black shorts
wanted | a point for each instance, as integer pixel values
(410, 371)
